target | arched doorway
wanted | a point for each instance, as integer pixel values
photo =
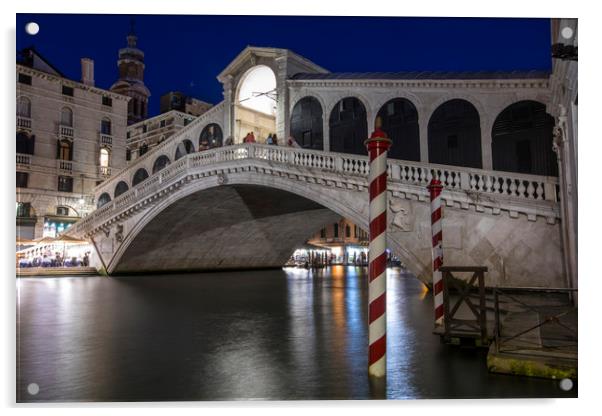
(399, 120)
(103, 199)
(184, 147)
(348, 127)
(307, 124)
(160, 163)
(255, 104)
(212, 135)
(454, 135)
(522, 140)
(121, 188)
(140, 175)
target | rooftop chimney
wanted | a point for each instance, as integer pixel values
(87, 71)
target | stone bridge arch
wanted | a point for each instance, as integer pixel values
(325, 208)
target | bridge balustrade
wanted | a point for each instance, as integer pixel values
(472, 181)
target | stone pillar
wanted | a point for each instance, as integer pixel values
(486, 140)
(229, 109)
(326, 129)
(423, 132)
(282, 112)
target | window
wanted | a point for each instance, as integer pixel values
(162, 123)
(66, 117)
(323, 233)
(25, 143)
(22, 179)
(104, 158)
(186, 121)
(144, 128)
(24, 79)
(128, 134)
(23, 209)
(24, 107)
(336, 230)
(105, 126)
(65, 184)
(67, 91)
(64, 150)
(347, 231)
(63, 211)
(143, 149)
(108, 101)
(128, 154)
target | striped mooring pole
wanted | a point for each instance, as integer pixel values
(378, 144)
(435, 189)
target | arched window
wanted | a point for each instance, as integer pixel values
(105, 126)
(121, 188)
(184, 147)
(522, 140)
(347, 231)
(399, 120)
(64, 150)
(66, 117)
(212, 134)
(24, 107)
(104, 157)
(140, 175)
(348, 127)
(336, 230)
(454, 135)
(25, 143)
(103, 199)
(160, 163)
(307, 125)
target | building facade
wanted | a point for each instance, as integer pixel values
(70, 137)
(146, 134)
(347, 243)
(175, 100)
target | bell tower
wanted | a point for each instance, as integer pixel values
(131, 78)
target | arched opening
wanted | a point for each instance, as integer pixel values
(104, 157)
(121, 188)
(184, 147)
(64, 150)
(211, 136)
(24, 107)
(66, 117)
(103, 199)
(399, 119)
(348, 127)
(255, 104)
(522, 140)
(105, 126)
(140, 175)
(307, 124)
(25, 143)
(454, 135)
(160, 163)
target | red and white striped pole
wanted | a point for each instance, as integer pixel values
(435, 189)
(377, 145)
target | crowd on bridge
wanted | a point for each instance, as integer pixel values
(271, 139)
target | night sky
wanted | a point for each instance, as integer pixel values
(186, 53)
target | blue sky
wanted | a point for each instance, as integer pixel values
(186, 53)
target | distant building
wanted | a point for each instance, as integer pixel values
(70, 136)
(131, 79)
(347, 242)
(175, 100)
(146, 134)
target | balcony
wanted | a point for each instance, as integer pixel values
(104, 171)
(66, 131)
(106, 139)
(64, 166)
(23, 123)
(23, 159)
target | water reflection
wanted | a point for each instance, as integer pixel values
(280, 334)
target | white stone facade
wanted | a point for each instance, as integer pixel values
(88, 106)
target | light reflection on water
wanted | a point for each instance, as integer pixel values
(278, 334)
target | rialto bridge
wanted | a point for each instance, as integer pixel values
(486, 136)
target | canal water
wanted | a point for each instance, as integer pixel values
(274, 335)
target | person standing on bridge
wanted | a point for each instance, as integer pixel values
(274, 140)
(269, 140)
(292, 142)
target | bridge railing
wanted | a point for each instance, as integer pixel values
(505, 184)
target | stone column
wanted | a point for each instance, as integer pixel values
(282, 112)
(423, 132)
(486, 140)
(229, 109)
